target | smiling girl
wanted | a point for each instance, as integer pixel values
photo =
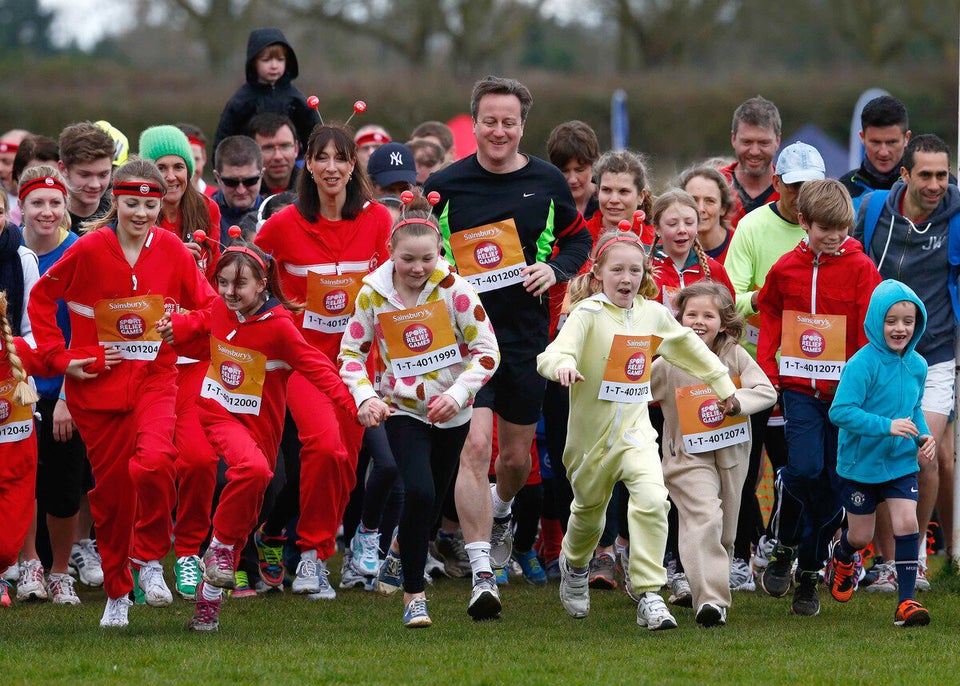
(253, 346)
(117, 280)
(433, 372)
(603, 352)
(705, 483)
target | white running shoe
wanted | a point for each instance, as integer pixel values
(325, 590)
(115, 613)
(886, 579)
(12, 573)
(741, 576)
(365, 548)
(61, 590)
(30, 584)
(574, 589)
(761, 555)
(154, 588)
(680, 594)
(308, 573)
(653, 614)
(85, 558)
(710, 615)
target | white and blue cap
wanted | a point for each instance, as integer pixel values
(800, 162)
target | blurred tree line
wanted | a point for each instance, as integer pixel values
(685, 64)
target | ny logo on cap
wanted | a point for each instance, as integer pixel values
(396, 159)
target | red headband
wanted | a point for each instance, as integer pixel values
(625, 238)
(41, 182)
(9, 147)
(247, 251)
(372, 137)
(143, 189)
(424, 222)
(196, 141)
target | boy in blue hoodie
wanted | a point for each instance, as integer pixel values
(271, 68)
(880, 433)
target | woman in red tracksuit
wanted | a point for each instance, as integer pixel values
(335, 235)
(254, 346)
(117, 281)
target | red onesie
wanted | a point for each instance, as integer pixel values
(126, 415)
(333, 250)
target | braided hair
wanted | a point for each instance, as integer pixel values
(24, 393)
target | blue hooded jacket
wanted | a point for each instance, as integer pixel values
(877, 386)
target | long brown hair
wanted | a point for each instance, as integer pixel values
(731, 321)
(240, 258)
(359, 190)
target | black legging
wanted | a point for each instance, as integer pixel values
(426, 457)
(377, 499)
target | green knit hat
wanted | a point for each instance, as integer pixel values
(158, 141)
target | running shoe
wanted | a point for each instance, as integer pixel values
(218, 567)
(326, 590)
(841, 580)
(186, 572)
(911, 613)
(85, 558)
(761, 555)
(485, 598)
(5, 600)
(777, 576)
(530, 567)
(884, 578)
(390, 577)
(741, 576)
(30, 585)
(365, 549)
(501, 541)
(270, 555)
(450, 549)
(603, 572)
(653, 614)
(415, 614)
(308, 573)
(242, 588)
(710, 616)
(61, 590)
(115, 612)
(806, 602)
(680, 594)
(155, 590)
(574, 589)
(206, 614)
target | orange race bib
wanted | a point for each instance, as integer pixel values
(751, 332)
(330, 301)
(420, 339)
(703, 424)
(670, 294)
(627, 376)
(813, 346)
(489, 257)
(128, 324)
(235, 378)
(16, 421)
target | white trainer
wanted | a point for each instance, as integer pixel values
(653, 614)
(115, 613)
(574, 589)
(154, 588)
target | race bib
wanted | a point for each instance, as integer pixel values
(489, 257)
(813, 346)
(420, 339)
(235, 378)
(16, 421)
(627, 376)
(670, 294)
(330, 301)
(128, 324)
(751, 333)
(704, 425)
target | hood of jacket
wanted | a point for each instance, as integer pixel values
(258, 40)
(884, 296)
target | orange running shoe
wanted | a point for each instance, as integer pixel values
(911, 613)
(842, 580)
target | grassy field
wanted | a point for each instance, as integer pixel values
(359, 639)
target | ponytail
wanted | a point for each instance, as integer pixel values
(24, 394)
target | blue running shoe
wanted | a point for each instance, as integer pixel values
(530, 566)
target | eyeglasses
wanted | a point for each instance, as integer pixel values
(280, 147)
(248, 181)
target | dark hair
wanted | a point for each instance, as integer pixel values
(759, 112)
(237, 151)
(626, 162)
(85, 142)
(731, 321)
(40, 148)
(496, 85)
(438, 130)
(134, 168)
(359, 190)
(711, 174)
(925, 142)
(884, 111)
(275, 203)
(237, 260)
(268, 123)
(572, 140)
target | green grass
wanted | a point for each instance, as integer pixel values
(359, 639)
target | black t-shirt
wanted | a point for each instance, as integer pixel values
(538, 199)
(76, 221)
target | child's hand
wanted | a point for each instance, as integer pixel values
(75, 369)
(928, 448)
(441, 409)
(903, 427)
(372, 411)
(165, 328)
(566, 377)
(730, 406)
(111, 357)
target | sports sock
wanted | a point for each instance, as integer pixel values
(501, 508)
(844, 551)
(479, 554)
(905, 555)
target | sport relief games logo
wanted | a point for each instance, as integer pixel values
(131, 326)
(417, 337)
(232, 374)
(5, 409)
(336, 301)
(812, 343)
(488, 254)
(710, 413)
(635, 366)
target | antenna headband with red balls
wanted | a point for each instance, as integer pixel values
(141, 189)
(313, 102)
(200, 236)
(50, 182)
(626, 237)
(406, 198)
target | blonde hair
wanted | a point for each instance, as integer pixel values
(677, 196)
(731, 321)
(24, 394)
(586, 285)
(31, 173)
